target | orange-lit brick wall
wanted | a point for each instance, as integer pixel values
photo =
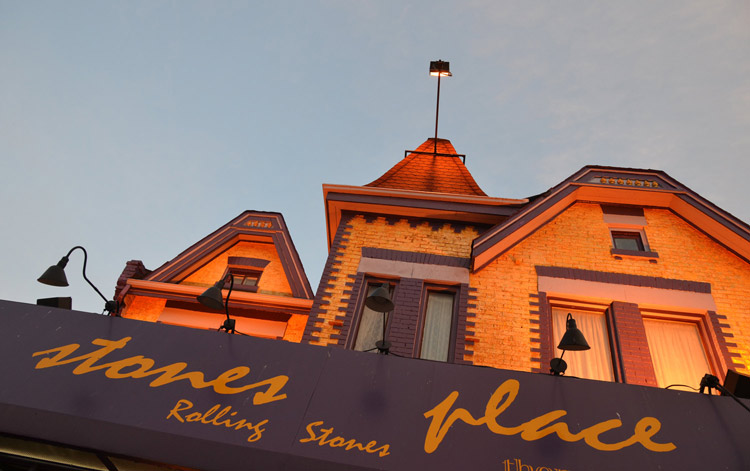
(295, 328)
(579, 238)
(394, 234)
(143, 308)
(273, 280)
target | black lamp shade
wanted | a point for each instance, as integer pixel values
(55, 275)
(440, 68)
(380, 299)
(212, 297)
(573, 338)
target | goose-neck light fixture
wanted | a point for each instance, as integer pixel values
(380, 301)
(212, 298)
(55, 276)
(574, 340)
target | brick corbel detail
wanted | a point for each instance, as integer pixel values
(541, 323)
(630, 335)
(327, 281)
(464, 327)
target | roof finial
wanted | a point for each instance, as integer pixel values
(439, 69)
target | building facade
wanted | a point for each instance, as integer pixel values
(656, 276)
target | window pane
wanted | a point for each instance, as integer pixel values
(591, 364)
(370, 325)
(677, 352)
(628, 241)
(437, 326)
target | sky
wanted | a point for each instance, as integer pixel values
(136, 128)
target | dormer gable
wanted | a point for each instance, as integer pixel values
(254, 244)
(625, 187)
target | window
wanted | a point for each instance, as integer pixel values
(677, 352)
(437, 327)
(244, 280)
(371, 323)
(590, 364)
(627, 240)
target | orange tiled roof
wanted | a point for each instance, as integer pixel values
(423, 171)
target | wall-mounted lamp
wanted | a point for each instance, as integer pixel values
(55, 276)
(212, 298)
(439, 69)
(573, 339)
(380, 301)
(710, 381)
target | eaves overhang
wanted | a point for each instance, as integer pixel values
(417, 204)
(239, 299)
(617, 186)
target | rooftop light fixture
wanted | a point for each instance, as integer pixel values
(573, 339)
(212, 298)
(380, 301)
(439, 69)
(55, 276)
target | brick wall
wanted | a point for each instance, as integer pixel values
(335, 296)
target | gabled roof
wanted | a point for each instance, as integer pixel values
(430, 168)
(617, 186)
(258, 226)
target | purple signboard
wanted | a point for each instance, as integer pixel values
(215, 401)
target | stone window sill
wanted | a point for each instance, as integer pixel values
(620, 254)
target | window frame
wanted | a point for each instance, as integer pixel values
(705, 332)
(428, 288)
(246, 272)
(624, 234)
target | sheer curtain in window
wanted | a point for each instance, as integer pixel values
(370, 324)
(438, 321)
(591, 364)
(677, 352)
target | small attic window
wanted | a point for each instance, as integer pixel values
(628, 240)
(246, 272)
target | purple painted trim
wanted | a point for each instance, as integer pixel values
(543, 319)
(462, 324)
(485, 242)
(470, 208)
(415, 257)
(622, 210)
(248, 262)
(624, 279)
(714, 320)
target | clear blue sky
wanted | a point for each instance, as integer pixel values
(137, 128)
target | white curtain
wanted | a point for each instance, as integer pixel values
(677, 352)
(591, 364)
(438, 321)
(370, 326)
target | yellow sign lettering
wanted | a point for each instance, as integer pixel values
(141, 367)
(537, 427)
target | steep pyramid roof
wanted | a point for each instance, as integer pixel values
(423, 170)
